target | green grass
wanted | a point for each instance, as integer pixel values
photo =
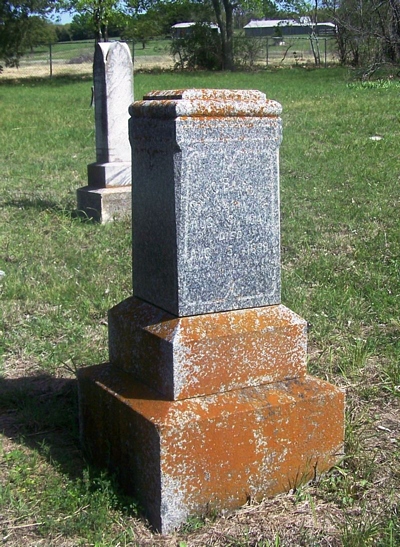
(67, 51)
(340, 270)
(60, 50)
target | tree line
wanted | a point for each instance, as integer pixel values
(367, 31)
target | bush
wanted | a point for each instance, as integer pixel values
(199, 49)
(247, 50)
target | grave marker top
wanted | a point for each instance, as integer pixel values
(113, 93)
(206, 234)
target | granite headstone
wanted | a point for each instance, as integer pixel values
(206, 401)
(206, 234)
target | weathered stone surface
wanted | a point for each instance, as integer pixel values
(209, 103)
(210, 353)
(108, 195)
(187, 457)
(206, 231)
(228, 412)
(104, 204)
(109, 175)
(113, 94)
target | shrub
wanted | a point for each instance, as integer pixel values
(199, 49)
(247, 50)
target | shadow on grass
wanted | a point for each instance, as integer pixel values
(47, 205)
(41, 412)
(33, 203)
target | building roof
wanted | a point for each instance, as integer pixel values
(271, 23)
(191, 24)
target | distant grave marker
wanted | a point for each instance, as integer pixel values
(108, 194)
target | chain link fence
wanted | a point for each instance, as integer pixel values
(317, 50)
(76, 58)
(293, 50)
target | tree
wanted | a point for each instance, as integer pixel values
(221, 12)
(368, 31)
(224, 14)
(200, 48)
(63, 32)
(23, 25)
(82, 27)
(100, 12)
(141, 29)
(224, 11)
(39, 32)
(164, 14)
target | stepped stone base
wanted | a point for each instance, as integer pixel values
(185, 457)
(105, 204)
(183, 357)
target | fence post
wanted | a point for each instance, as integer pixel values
(51, 60)
(267, 52)
(325, 53)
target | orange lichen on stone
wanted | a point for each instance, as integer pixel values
(204, 94)
(207, 404)
(185, 457)
(203, 354)
(205, 103)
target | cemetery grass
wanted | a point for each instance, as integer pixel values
(70, 50)
(340, 271)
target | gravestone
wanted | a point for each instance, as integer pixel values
(108, 194)
(206, 401)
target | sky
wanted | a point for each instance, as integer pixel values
(62, 18)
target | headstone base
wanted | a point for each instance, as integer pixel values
(105, 204)
(182, 357)
(187, 457)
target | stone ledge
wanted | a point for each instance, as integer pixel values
(105, 204)
(214, 103)
(198, 355)
(181, 458)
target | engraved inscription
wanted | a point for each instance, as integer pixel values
(230, 229)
